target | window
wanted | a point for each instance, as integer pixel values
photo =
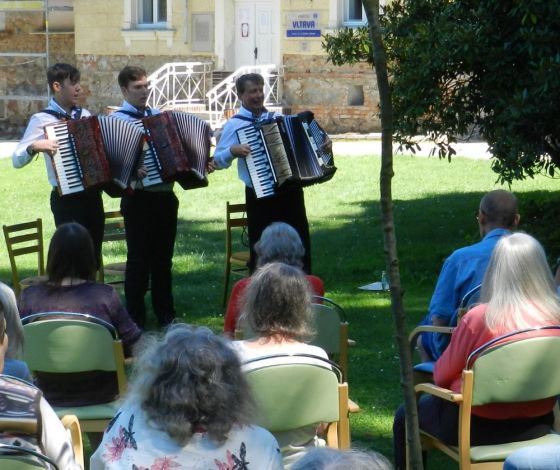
(152, 12)
(147, 20)
(354, 13)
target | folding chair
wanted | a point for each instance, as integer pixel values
(114, 232)
(510, 369)
(294, 391)
(69, 343)
(236, 261)
(23, 239)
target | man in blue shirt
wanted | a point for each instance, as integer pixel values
(84, 207)
(465, 268)
(288, 203)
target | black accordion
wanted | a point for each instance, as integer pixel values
(286, 148)
(94, 152)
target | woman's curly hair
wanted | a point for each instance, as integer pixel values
(191, 380)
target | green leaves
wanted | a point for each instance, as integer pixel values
(463, 65)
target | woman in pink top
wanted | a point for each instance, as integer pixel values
(517, 292)
(279, 242)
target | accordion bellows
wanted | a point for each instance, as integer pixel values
(286, 148)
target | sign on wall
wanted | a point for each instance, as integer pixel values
(302, 24)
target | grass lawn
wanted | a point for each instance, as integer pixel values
(435, 204)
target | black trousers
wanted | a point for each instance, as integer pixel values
(288, 206)
(441, 419)
(150, 220)
(85, 208)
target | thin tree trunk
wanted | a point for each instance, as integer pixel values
(413, 439)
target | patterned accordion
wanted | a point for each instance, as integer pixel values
(94, 152)
(286, 148)
(178, 149)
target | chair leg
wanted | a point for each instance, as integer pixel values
(226, 283)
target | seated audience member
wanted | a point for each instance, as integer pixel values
(276, 306)
(325, 458)
(20, 399)
(189, 407)
(13, 365)
(71, 287)
(517, 292)
(279, 242)
(534, 458)
(465, 268)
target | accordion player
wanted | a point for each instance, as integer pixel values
(177, 149)
(286, 148)
(96, 151)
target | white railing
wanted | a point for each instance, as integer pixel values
(180, 83)
(223, 99)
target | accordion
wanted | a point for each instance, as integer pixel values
(177, 149)
(94, 152)
(286, 148)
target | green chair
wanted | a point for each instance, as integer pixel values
(512, 368)
(293, 391)
(423, 371)
(21, 458)
(69, 343)
(331, 331)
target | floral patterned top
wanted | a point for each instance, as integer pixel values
(130, 442)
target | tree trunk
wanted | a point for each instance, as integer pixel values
(413, 439)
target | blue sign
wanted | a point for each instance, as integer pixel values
(303, 24)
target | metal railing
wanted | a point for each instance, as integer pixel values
(180, 83)
(222, 99)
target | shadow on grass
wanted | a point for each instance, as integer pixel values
(348, 252)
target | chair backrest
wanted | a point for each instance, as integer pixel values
(235, 218)
(291, 394)
(114, 226)
(330, 325)
(68, 344)
(14, 457)
(467, 302)
(114, 230)
(518, 370)
(23, 239)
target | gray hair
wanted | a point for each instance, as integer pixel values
(325, 458)
(280, 242)
(500, 208)
(518, 286)
(189, 379)
(278, 302)
(14, 329)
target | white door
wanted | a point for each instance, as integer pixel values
(256, 39)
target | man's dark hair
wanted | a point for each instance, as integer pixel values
(71, 254)
(131, 73)
(60, 72)
(500, 208)
(241, 82)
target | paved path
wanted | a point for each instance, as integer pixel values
(352, 144)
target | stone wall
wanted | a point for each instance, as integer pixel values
(100, 72)
(343, 99)
(23, 78)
